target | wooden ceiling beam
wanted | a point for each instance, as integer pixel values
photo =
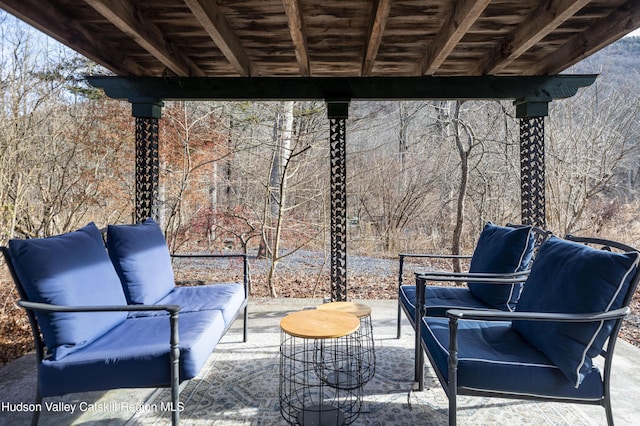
(296, 28)
(125, 16)
(379, 15)
(619, 23)
(218, 28)
(51, 21)
(464, 15)
(547, 17)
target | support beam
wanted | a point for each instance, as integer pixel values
(624, 20)
(147, 116)
(338, 113)
(297, 31)
(379, 15)
(128, 19)
(465, 14)
(547, 17)
(374, 88)
(218, 28)
(532, 163)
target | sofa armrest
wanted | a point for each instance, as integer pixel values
(174, 354)
(468, 314)
(499, 278)
(434, 256)
(402, 257)
(47, 307)
(211, 255)
(462, 277)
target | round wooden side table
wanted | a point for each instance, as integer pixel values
(364, 334)
(315, 387)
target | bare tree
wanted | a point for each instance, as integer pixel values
(589, 140)
(51, 168)
(464, 140)
(393, 184)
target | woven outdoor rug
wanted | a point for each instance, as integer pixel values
(239, 386)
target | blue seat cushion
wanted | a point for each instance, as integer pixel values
(407, 297)
(493, 356)
(501, 249)
(135, 354)
(568, 277)
(228, 298)
(73, 270)
(439, 299)
(141, 258)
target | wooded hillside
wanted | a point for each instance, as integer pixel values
(255, 176)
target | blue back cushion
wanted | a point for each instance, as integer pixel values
(141, 258)
(501, 249)
(568, 277)
(73, 270)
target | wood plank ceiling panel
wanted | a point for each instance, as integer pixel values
(336, 33)
(263, 30)
(332, 38)
(409, 27)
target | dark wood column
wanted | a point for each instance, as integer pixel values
(338, 113)
(532, 162)
(147, 116)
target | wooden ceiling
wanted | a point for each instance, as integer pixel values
(332, 38)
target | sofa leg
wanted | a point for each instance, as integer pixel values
(399, 332)
(452, 407)
(175, 409)
(607, 408)
(174, 358)
(452, 391)
(417, 353)
(246, 319)
(420, 370)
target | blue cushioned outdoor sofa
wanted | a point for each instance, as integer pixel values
(569, 313)
(109, 318)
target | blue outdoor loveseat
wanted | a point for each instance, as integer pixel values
(113, 318)
(569, 313)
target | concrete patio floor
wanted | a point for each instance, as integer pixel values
(17, 379)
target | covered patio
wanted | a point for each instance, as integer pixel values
(335, 51)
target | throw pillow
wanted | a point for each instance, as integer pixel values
(501, 249)
(573, 278)
(141, 258)
(70, 270)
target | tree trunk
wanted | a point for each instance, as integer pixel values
(278, 186)
(463, 151)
